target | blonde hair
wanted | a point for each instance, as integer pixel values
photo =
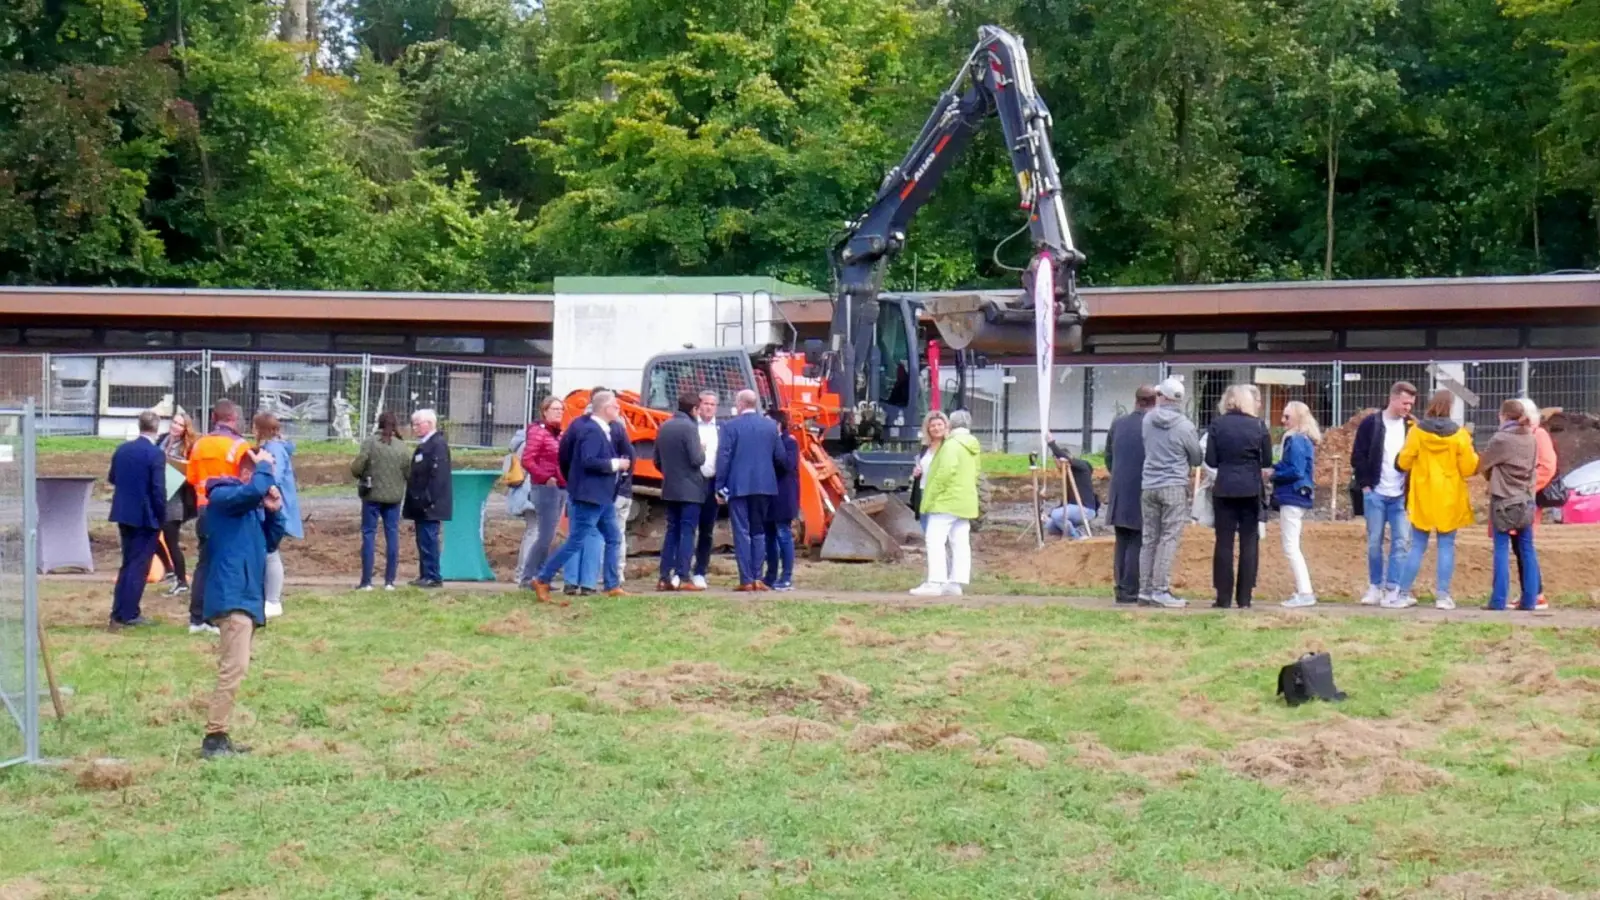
(1532, 409)
(1241, 397)
(928, 420)
(1301, 421)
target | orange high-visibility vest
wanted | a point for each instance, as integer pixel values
(214, 456)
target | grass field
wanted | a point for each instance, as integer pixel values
(468, 746)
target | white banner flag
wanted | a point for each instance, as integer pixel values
(1044, 311)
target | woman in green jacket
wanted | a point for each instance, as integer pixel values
(949, 504)
(381, 472)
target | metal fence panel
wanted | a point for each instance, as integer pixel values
(1366, 386)
(315, 396)
(19, 650)
(1569, 384)
(478, 404)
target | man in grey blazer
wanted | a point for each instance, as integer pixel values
(679, 456)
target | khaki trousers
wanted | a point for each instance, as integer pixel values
(234, 660)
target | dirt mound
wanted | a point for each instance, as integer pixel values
(104, 775)
(1333, 454)
(1343, 762)
(787, 728)
(908, 737)
(518, 623)
(707, 687)
(1576, 437)
(850, 634)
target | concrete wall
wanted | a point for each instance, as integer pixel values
(607, 338)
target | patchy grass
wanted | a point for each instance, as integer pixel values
(468, 745)
(1017, 463)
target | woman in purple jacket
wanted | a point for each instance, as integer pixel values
(781, 514)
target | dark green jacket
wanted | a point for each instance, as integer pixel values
(388, 464)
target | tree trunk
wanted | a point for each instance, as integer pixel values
(1332, 165)
(294, 22)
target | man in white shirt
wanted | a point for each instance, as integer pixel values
(1379, 440)
(710, 435)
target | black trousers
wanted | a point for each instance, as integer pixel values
(1241, 517)
(197, 578)
(1125, 564)
(170, 553)
(138, 546)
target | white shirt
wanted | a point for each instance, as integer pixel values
(923, 462)
(617, 462)
(708, 439)
(1392, 481)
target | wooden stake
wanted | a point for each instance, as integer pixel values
(1333, 495)
(1078, 499)
(50, 677)
(1064, 496)
(1038, 512)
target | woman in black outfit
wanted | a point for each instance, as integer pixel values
(181, 508)
(1239, 448)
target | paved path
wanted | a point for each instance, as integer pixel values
(1557, 618)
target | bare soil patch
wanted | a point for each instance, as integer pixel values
(708, 687)
(1343, 762)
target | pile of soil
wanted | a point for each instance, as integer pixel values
(1576, 437)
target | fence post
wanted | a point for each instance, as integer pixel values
(1088, 411)
(44, 391)
(1338, 394)
(362, 428)
(528, 395)
(205, 391)
(1522, 378)
(1163, 371)
(30, 586)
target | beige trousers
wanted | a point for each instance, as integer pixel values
(234, 660)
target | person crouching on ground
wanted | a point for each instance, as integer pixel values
(781, 514)
(244, 521)
(1071, 518)
(1437, 458)
(1294, 489)
(950, 503)
(1509, 463)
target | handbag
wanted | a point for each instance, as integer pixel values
(1552, 495)
(1511, 513)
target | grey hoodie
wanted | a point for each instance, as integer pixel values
(1171, 448)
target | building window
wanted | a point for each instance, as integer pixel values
(1386, 339)
(300, 343)
(1293, 341)
(1578, 337)
(534, 347)
(450, 345)
(59, 337)
(10, 335)
(1479, 337)
(216, 340)
(369, 342)
(1220, 340)
(134, 340)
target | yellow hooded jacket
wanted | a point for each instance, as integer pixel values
(1439, 457)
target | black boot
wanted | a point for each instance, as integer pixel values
(218, 745)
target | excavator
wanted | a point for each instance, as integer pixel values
(855, 401)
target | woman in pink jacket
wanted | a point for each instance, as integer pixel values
(541, 461)
(1544, 472)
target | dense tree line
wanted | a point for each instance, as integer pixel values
(493, 144)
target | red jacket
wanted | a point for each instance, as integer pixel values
(540, 454)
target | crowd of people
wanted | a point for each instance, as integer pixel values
(1409, 481)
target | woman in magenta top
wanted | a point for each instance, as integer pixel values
(541, 460)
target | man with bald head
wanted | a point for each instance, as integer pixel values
(592, 488)
(750, 458)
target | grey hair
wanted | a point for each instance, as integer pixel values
(708, 392)
(961, 419)
(746, 399)
(1532, 409)
(599, 399)
(426, 415)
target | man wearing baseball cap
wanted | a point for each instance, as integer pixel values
(1171, 451)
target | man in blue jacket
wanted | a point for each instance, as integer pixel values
(592, 489)
(138, 479)
(244, 521)
(749, 460)
(785, 508)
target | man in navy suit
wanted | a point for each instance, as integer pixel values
(138, 505)
(592, 488)
(750, 458)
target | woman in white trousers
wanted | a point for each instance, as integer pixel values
(1293, 487)
(949, 504)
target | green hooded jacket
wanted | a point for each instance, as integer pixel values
(953, 477)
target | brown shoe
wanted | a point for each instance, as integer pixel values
(618, 592)
(689, 587)
(541, 591)
(760, 587)
(745, 589)
(665, 586)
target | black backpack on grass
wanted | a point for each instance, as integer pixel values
(1308, 678)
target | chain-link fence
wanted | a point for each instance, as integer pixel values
(19, 600)
(315, 396)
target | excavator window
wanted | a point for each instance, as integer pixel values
(894, 357)
(666, 378)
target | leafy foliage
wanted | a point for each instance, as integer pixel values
(492, 144)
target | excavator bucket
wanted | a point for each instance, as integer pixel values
(855, 535)
(995, 323)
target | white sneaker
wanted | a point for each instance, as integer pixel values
(698, 581)
(675, 582)
(1373, 596)
(1444, 601)
(1300, 601)
(1395, 599)
(1167, 601)
(952, 590)
(204, 628)
(928, 589)
(274, 610)
(389, 586)
(365, 587)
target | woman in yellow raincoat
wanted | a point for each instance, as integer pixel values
(1437, 459)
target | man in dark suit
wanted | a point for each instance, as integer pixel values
(1125, 462)
(429, 495)
(592, 469)
(679, 456)
(138, 479)
(750, 458)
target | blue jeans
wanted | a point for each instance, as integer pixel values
(780, 553)
(583, 570)
(1502, 569)
(428, 550)
(1066, 520)
(586, 519)
(1390, 511)
(371, 514)
(1444, 566)
(749, 518)
(540, 533)
(677, 549)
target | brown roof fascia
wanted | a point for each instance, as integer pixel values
(321, 306)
